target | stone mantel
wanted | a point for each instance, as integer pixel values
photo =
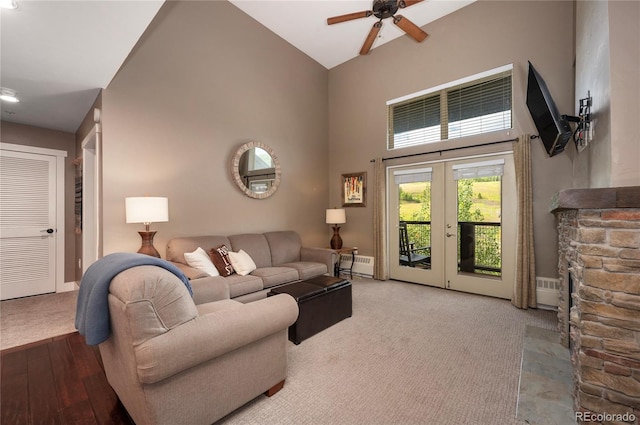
(599, 298)
(600, 198)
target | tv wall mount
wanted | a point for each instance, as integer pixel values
(582, 134)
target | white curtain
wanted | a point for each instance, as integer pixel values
(524, 291)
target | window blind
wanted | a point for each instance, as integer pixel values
(412, 176)
(478, 169)
(415, 121)
(475, 106)
(480, 107)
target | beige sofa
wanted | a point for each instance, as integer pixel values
(172, 362)
(279, 256)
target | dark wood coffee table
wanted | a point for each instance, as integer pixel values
(322, 301)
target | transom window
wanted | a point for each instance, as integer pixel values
(475, 105)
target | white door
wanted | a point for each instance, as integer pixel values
(28, 230)
(454, 224)
(416, 217)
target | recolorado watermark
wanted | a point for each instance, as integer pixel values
(602, 417)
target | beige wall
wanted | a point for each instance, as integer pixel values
(479, 37)
(204, 79)
(607, 65)
(624, 35)
(27, 135)
(592, 166)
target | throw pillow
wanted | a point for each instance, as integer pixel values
(220, 258)
(199, 259)
(242, 262)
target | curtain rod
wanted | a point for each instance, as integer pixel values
(451, 149)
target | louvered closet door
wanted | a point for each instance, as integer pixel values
(27, 224)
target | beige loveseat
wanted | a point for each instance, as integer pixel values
(279, 256)
(172, 362)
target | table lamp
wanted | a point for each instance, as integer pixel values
(147, 210)
(336, 216)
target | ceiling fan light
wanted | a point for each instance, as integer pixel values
(8, 4)
(8, 95)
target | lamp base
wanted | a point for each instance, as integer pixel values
(147, 244)
(336, 240)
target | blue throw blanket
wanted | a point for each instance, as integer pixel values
(92, 310)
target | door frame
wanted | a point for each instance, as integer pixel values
(91, 183)
(60, 156)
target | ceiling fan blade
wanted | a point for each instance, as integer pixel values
(371, 38)
(407, 3)
(410, 28)
(349, 17)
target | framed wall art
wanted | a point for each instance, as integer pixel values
(354, 190)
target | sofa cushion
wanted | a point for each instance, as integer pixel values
(209, 289)
(284, 246)
(178, 246)
(240, 285)
(307, 269)
(190, 272)
(242, 262)
(215, 306)
(255, 245)
(200, 260)
(273, 276)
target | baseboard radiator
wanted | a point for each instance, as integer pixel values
(362, 264)
(547, 292)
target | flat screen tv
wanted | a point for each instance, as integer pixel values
(554, 130)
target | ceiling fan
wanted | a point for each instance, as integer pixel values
(383, 9)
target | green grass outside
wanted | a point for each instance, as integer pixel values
(488, 203)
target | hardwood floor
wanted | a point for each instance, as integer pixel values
(60, 380)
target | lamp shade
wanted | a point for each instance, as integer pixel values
(336, 216)
(147, 209)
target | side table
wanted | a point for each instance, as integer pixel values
(345, 250)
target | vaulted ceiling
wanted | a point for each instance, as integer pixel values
(57, 55)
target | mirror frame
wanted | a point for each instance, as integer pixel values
(235, 170)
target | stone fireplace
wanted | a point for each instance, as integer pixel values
(599, 303)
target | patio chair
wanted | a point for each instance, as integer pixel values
(409, 254)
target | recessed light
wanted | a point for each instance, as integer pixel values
(8, 95)
(8, 4)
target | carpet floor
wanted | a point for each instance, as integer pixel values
(32, 319)
(410, 354)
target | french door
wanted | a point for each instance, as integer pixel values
(452, 224)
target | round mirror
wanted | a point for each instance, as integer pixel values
(256, 170)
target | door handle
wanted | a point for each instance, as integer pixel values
(49, 231)
(450, 234)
